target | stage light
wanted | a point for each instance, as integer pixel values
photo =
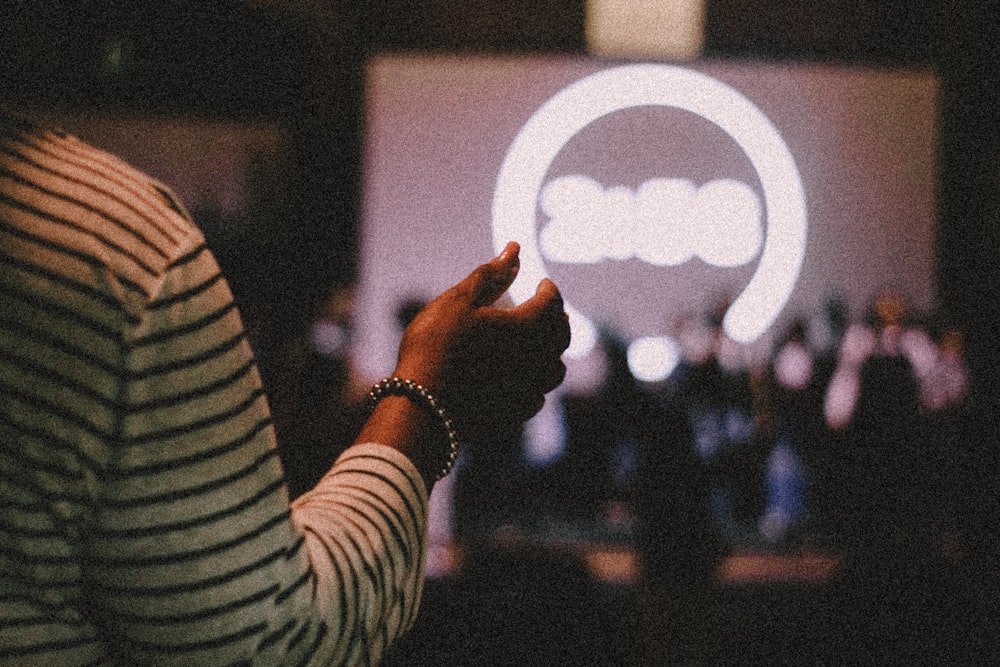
(645, 29)
(653, 359)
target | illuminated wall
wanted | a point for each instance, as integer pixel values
(638, 248)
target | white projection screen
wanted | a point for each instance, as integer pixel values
(648, 192)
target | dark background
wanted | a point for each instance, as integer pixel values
(298, 64)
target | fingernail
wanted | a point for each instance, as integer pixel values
(511, 248)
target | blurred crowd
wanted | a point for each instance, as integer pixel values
(852, 436)
(844, 417)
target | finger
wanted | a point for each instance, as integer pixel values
(545, 313)
(553, 377)
(547, 302)
(540, 324)
(560, 330)
(490, 280)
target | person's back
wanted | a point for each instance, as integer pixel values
(143, 514)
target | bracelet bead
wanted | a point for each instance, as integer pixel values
(419, 395)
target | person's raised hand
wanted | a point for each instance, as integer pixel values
(489, 366)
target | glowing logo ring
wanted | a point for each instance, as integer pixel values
(576, 106)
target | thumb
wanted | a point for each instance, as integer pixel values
(490, 280)
(547, 301)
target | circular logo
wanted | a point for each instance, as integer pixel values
(529, 158)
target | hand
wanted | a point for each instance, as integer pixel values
(490, 367)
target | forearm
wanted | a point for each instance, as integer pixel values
(398, 422)
(365, 527)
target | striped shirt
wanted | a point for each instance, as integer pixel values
(143, 514)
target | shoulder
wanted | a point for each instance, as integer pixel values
(102, 222)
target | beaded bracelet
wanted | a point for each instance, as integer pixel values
(395, 386)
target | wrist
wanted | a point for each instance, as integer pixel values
(425, 375)
(412, 417)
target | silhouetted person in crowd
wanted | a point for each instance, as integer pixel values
(894, 587)
(824, 334)
(948, 417)
(680, 552)
(719, 396)
(596, 422)
(796, 390)
(668, 492)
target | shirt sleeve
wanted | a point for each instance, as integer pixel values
(365, 528)
(198, 554)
